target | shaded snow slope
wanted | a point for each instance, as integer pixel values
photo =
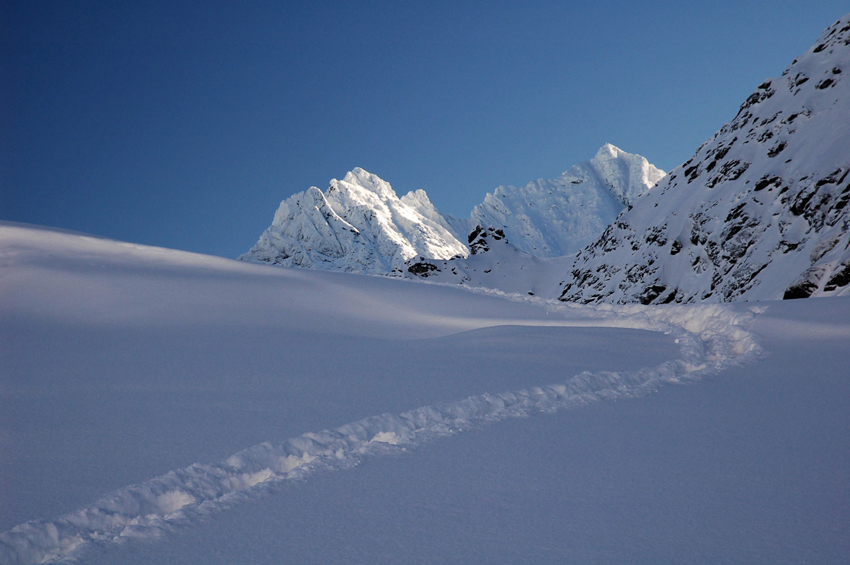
(759, 212)
(358, 225)
(180, 361)
(750, 466)
(551, 218)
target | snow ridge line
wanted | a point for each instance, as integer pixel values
(711, 338)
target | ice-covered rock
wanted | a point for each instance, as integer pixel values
(759, 212)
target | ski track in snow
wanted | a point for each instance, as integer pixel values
(710, 337)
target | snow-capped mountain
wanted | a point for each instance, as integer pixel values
(358, 225)
(551, 218)
(523, 238)
(759, 212)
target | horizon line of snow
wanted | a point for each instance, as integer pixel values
(710, 338)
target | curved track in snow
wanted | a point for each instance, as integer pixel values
(710, 337)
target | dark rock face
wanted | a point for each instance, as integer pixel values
(840, 277)
(800, 290)
(422, 269)
(478, 239)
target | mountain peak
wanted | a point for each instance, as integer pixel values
(556, 217)
(607, 151)
(363, 179)
(628, 175)
(358, 225)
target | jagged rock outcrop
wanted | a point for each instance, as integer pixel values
(759, 212)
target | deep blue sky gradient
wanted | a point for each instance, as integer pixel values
(184, 124)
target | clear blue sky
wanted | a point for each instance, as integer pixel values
(184, 124)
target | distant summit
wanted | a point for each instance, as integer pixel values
(627, 175)
(551, 218)
(360, 225)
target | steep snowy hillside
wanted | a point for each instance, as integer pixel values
(552, 218)
(358, 225)
(759, 212)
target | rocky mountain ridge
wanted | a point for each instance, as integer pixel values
(759, 212)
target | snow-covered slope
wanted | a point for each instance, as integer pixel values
(551, 218)
(158, 406)
(494, 263)
(759, 212)
(358, 225)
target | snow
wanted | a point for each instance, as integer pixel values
(161, 406)
(758, 213)
(626, 175)
(557, 217)
(494, 264)
(360, 224)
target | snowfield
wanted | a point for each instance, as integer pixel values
(163, 406)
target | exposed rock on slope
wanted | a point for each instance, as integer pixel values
(358, 225)
(759, 212)
(550, 218)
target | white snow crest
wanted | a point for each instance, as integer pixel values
(711, 337)
(626, 175)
